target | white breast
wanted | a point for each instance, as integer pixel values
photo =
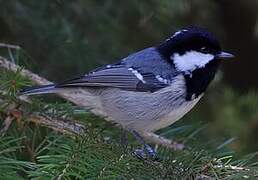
(144, 111)
(175, 114)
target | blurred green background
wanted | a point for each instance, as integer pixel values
(66, 38)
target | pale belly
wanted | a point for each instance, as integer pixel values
(145, 111)
(140, 111)
(171, 117)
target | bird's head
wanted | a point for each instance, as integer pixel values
(192, 48)
(196, 54)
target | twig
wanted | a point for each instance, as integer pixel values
(22, 98)
(163, 141)
(9, 118)
(6, 124)
(60, 125)
(10, 46)
(4, 63)
(64, 126)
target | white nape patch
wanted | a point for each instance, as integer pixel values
(161, 79)
(108, 66)
(177, 33)
(191, 60)
(137, 74)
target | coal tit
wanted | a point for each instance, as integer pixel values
(150, 89)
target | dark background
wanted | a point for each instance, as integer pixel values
(61, 39)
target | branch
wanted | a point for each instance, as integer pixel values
(163, 141)
(10, 46)
(14, 112)
(61, 125)
(7, 123)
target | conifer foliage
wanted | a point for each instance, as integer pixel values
(30, 149)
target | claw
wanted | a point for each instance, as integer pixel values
(147, 152)
(124, 139)
(150, 151)
(139, 153)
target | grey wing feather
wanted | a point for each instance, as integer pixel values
(123, 75)
(117, 77)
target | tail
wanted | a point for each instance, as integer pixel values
(38, 90)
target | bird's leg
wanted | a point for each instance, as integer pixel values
(124, 138)
(147, 151)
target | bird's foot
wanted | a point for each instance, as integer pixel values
(147, 152)
(124, 139)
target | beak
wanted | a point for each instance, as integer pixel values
(224, 55)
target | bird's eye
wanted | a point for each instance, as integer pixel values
(204, 49)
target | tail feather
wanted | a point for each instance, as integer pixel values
(38, 90)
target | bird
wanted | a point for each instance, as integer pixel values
(152, 88)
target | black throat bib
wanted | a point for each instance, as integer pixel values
(198, 81)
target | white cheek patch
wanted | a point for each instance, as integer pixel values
(191, 60)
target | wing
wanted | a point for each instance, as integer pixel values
(144, 71)
(118, 76)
